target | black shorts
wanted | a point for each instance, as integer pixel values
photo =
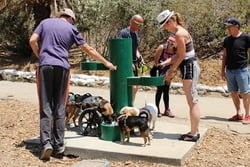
(187, 68)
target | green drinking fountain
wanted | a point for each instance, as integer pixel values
(121, 81)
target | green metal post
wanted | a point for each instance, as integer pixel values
(120, 51)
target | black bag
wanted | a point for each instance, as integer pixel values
(154, 71)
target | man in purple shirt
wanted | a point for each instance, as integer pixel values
(50, 43)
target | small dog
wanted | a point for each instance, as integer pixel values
(77, 103)
(127, 123)
(72, 110)
(130, 111)
(102, 105)
(151, 110)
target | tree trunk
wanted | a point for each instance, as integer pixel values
(43, 9)
(57, 5)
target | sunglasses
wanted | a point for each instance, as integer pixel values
(138, 24)
(171, 43)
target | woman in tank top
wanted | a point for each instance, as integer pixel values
(185, 59)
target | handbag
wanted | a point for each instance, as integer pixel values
(154, 71)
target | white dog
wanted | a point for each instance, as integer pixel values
(152, 109)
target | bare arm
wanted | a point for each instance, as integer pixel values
(180, 54)
(158, 54)
(34, 44)
(248, 52)
(94, 54)
(169, 61)
(223, 64)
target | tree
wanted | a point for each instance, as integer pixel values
(100, 20)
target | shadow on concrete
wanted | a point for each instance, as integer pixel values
(214, 118)
(161, 135)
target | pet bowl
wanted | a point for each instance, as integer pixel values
(110, 132)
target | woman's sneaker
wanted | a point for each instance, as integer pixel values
(168, 113)
(246, 120)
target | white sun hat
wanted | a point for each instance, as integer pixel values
(164, 16)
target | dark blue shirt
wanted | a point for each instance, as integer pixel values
(126, 33)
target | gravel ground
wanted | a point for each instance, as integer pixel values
(20, 121)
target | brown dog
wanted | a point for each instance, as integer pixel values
(72, 112)
(127, 123)
(74, 107)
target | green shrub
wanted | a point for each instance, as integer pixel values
(100, 20)
(15, 31)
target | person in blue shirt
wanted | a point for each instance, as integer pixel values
(136, 22)
(131, 31)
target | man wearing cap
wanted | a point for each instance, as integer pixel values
(50, 43)
(236, 48)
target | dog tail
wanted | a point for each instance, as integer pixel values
(144, 114)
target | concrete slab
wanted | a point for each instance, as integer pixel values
(165, 146)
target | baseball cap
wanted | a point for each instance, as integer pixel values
(232, 22)
(68, 12)
(164, 16)
(171, 40)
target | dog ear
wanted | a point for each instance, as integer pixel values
(107, 109)
(87, 95)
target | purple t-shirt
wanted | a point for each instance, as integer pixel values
(56, 38)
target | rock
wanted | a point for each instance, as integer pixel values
(92, 163)
(100, 81)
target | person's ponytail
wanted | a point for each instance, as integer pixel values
(179, 20)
